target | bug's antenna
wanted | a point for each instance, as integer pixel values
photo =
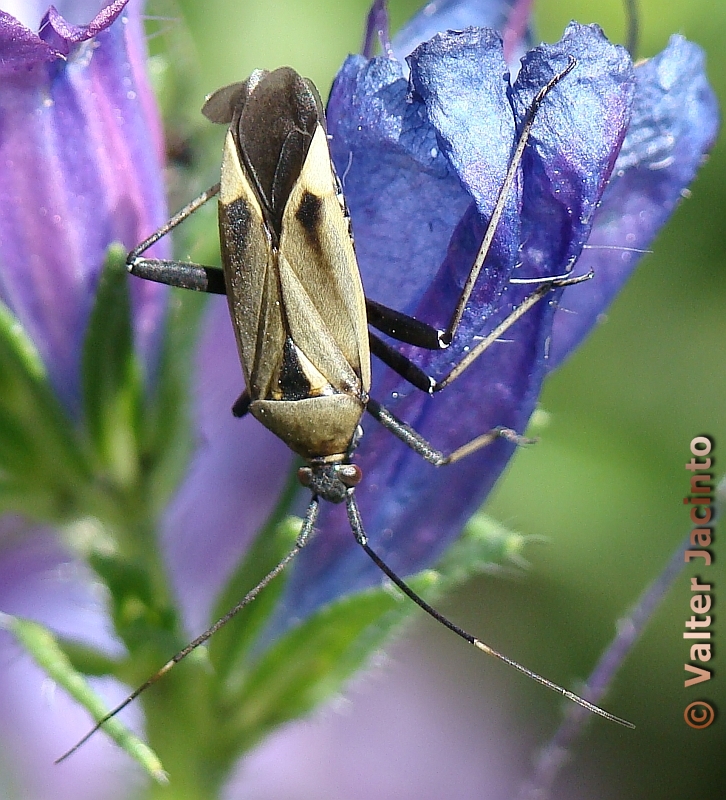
(633, 27)
(302, 539)
(360, 535)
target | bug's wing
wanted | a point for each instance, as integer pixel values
(250, 273)
(293, 283)
(318, 266)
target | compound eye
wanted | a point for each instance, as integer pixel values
(305, 476)
(350, 475)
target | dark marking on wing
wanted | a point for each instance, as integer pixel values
(309, 216)
(293, 382)
(236, 223)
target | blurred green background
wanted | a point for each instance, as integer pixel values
(604, 486)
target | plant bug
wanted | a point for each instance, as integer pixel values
(300, 315)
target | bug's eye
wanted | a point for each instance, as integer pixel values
(305, 476)
(350, 475)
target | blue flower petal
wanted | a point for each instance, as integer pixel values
(403, 195)
(575, 140)
(462, 79)
(674, 124)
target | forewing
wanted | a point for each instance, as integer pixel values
(318, 351)
(273, 125)
(295, 293)
(317, 246)
(250, 274)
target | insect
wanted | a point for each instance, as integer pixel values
(300, 314)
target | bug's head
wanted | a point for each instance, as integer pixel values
(330, 480)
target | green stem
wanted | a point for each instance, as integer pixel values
(179, 708)
(180, 730)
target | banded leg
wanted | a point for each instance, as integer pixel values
(421, 380)
(425, 449)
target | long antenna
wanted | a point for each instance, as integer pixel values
(302, 539)
(357, 525)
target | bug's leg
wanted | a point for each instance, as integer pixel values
(177, 219)
(421, 380)
(425, 449)
(402, 327)
(356, 525)
(306, 532)
(406, 329)
(530, 301)
(401, 364)
(241, 404)
(181, 274)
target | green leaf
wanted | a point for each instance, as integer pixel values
(112, 385)
(43, 468)
(484, 546)
(87, 659)
(312, 661)
(141, 615)
(42, 646)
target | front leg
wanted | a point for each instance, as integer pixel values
(181, 274)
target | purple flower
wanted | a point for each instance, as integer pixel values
(80, 156)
